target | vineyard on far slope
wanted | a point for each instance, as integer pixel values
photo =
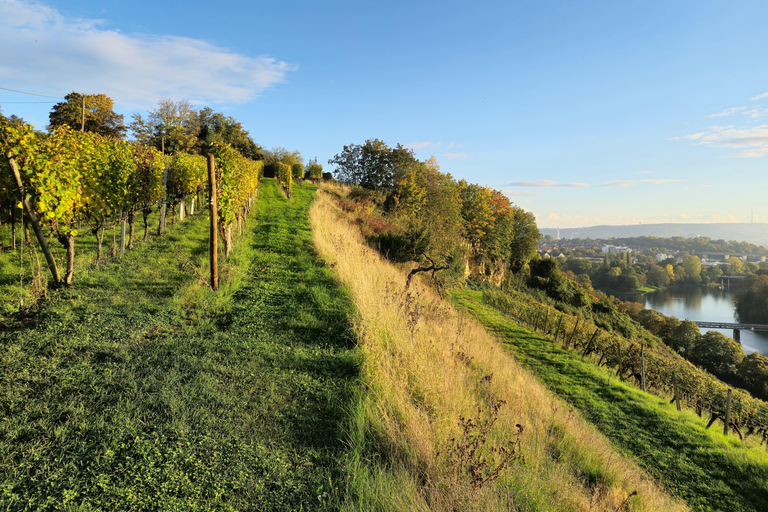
(646, 360)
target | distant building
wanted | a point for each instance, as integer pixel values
(615, 249)
(661, 257)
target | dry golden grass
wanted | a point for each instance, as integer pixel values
(426, 368)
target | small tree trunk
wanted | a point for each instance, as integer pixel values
(132, 225)
(98, 232)
(68, 241)
(25, 223)
(145, 212)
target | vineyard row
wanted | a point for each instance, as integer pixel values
(69, 178)
(654, 370)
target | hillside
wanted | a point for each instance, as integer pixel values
(755, 233)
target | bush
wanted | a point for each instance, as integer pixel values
(298, 171)
(400, 247)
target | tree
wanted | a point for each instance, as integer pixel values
(215, 127)
(735, 265)
(373, 165)
(717, 353)
(88, 112)
(173, 127)
(315, 171)
(525, 238)
(692, 266)
(753, 370)
(684, 338)
(477, 214)
(751, 299)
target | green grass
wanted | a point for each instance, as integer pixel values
(140, 389)
(24, 273)
(703, 467)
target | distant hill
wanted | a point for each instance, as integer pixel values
(755, 233)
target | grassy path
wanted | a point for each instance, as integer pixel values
(708, 470)
(139, 389)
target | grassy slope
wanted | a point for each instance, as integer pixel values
(427, 370)
(139, 389)
(703, 467)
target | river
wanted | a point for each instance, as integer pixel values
(704, 304)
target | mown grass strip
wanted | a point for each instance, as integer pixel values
(708, 470)
(140, 389)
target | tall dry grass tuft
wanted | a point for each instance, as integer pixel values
(447, 420)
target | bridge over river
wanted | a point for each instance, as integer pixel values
(737, 328)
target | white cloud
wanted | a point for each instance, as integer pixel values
(555, 184)
(660, 181)
(456, 156)
(756, 112)
(47, 52)
(619, 184)
(546, 183)
(751, 153)
(727, 112)
(755, 138)
(420, 146)
(520, 193)
(563, 220)
(760, 96)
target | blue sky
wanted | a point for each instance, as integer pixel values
(585, 113)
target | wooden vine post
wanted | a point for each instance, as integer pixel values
(33, 219)
(642, 367)
(161, 227)
(214, 249)
(677, 392)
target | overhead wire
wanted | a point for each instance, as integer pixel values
(31, 93)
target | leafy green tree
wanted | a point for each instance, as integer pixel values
(315, 171)
(373, 164)
(173, 127)
(94, 112)
(216, 128)
(684, 338)
(477, 214)
(753, 370)
(692, 266)
(751, 299)
(735, 266)
(525, 238)
(717, 353)
(298, 171)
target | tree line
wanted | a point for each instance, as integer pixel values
(433, 219)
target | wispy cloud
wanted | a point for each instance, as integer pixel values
(37, 43)
(755, 138)
(660, 181)
(546, 183)
(619, 184)
(564, 220)
(760, 96)
(520, 193)
(456, 156)
(420, 146)
(727, 112)
(555, 184)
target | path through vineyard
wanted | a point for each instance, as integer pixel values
(141, 390)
